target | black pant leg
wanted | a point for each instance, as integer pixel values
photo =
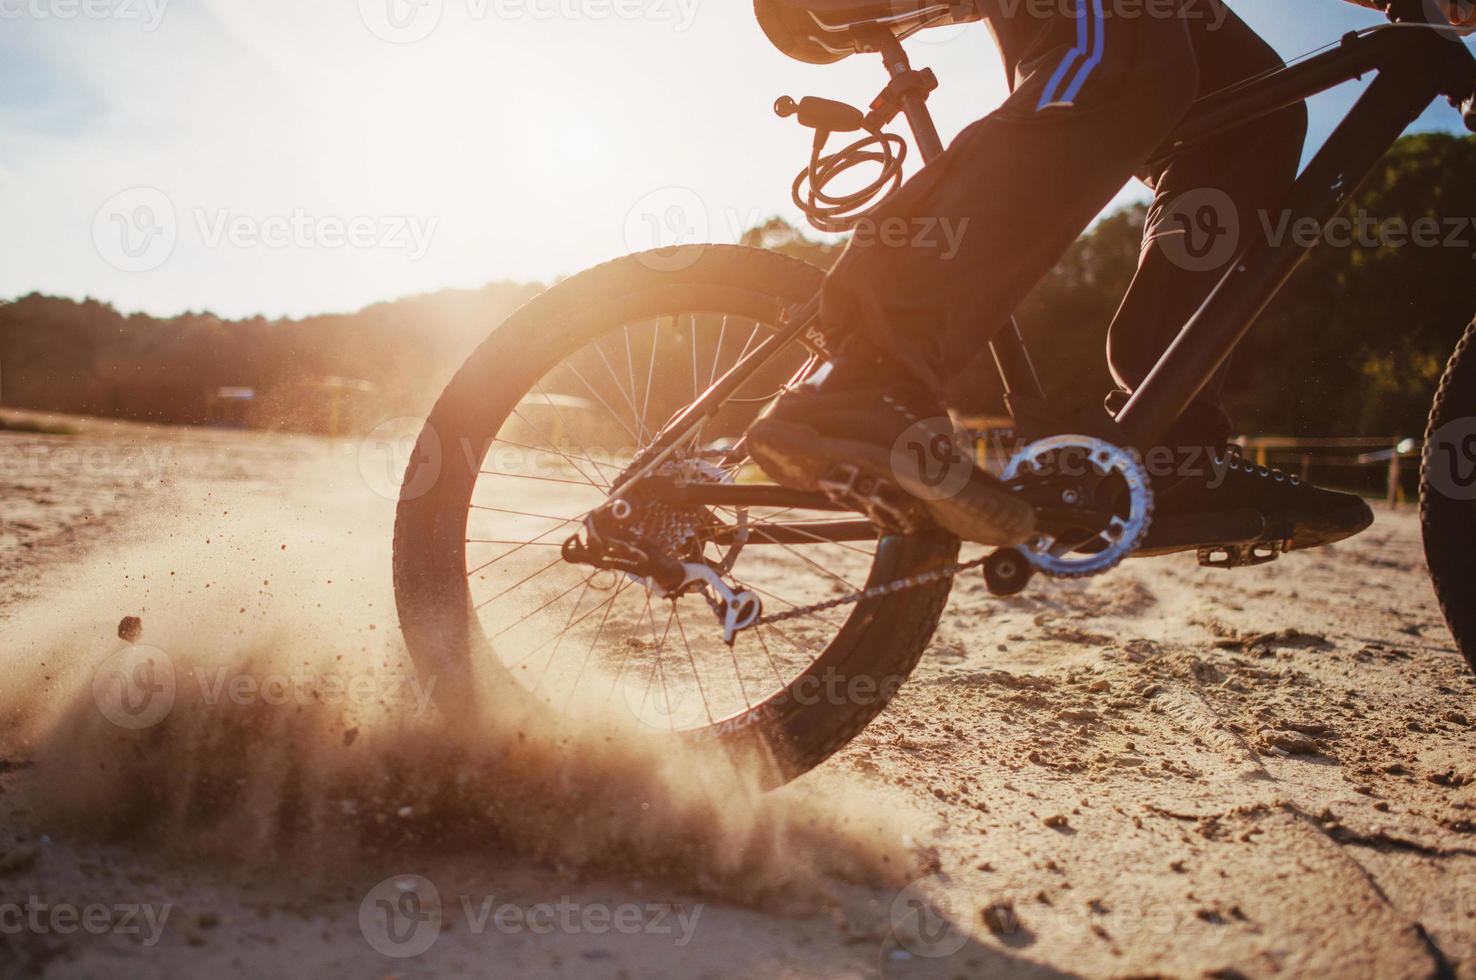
(1093, 97)
(1207, 201)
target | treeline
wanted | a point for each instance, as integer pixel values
(1353, 346)
(306, 375)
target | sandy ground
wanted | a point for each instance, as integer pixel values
(1163, 771)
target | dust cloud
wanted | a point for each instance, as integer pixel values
(267, 711)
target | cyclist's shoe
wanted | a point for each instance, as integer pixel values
(886, 449)
(1293, 514)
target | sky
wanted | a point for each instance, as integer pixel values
(288, 157)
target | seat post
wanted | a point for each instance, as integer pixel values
(911, 91)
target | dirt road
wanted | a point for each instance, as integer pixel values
(1166, 770)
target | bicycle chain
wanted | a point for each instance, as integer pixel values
(874, 592)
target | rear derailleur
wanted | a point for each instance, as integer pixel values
(622, 536)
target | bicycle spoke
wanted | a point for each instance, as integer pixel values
(795, 529)
(532, 542)
(540, 609)
(569, 456)
(651, 368)
(557, 451)
(691, 659)
(808, 561)
(561, 634)
(620, 671)
(660, 668)
(529, 476)
(717, 351)
(609, 605)
(601, 399)
(635, 414)
(534, 652)
(630, 373)
(772, 666)
(521, 582)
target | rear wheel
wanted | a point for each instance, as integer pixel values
(1448, 494)
(529, 436)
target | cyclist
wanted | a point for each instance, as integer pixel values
(1092, 96)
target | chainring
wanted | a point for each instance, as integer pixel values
(1123, 533)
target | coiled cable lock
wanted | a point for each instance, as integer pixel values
(840, 212)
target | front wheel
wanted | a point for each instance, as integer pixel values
(1448, 494)
(530, 435)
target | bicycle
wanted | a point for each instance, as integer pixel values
(791, 619)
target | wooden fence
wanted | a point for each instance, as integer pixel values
(1301, 455)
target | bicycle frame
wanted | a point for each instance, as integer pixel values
(1415, 65)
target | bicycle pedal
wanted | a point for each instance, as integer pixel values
(1240, 555)
(884, 503)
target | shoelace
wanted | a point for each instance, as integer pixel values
(1235, 459)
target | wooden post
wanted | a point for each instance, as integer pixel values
(1306, 467)
(1393, 486)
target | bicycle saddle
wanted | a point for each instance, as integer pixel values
(821, 32)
